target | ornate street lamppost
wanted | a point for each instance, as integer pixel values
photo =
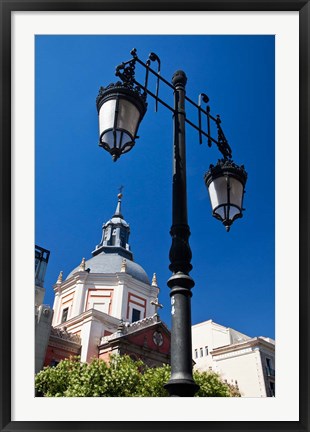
(121, 107)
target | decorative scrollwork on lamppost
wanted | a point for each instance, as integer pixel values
(121, 108)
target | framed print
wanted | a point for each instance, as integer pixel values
(246, 73)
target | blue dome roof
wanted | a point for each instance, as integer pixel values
(111, 263)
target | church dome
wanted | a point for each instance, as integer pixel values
(106, 263)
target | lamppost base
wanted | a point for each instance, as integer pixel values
(181, 387)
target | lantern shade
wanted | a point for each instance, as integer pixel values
(225, 182)
(120, 111)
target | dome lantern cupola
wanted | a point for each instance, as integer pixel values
(115, 234)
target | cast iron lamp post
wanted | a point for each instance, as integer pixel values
(121, 108)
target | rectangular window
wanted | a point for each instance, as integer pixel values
(135, 315)
(201, 352)
(206, 350)
(64, 315)
(269, 370)
(196, 353)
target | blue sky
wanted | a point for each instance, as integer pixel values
(76, 182)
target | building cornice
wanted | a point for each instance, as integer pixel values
(121, 343)
(78, 277)
(64, 335)
(134, 328)
(256, 342)
(127, 279)
(104, 279)
(91, 314)
(55, 342)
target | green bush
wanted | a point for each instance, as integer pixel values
(122, 377)
(211, 385)
(152, 382)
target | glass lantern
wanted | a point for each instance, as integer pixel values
(120, 110)
(225, 182)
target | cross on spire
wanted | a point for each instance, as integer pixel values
(156, 304)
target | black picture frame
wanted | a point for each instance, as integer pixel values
(9, 6)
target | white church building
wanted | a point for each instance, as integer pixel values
(107, 304)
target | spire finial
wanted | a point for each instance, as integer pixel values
(154, 280)
(118, 211)
(82, 265)
(120, 194)
(124, 265)
(121, 326)
(59, 280)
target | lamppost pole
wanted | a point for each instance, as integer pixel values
(180, 283)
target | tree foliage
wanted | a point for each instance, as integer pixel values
(122, 377)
